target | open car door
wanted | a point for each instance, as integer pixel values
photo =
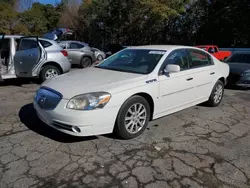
(1, 42)
(27, 56)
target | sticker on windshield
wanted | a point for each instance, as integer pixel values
(157, 52)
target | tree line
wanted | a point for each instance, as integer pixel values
(134, 22)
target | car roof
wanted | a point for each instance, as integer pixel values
(13, 36)
(19, 36)
(161, 47)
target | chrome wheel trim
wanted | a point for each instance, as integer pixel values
(99, 58)
(135, 118)
(218, 93)
(51, 73)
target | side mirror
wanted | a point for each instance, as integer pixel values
(172, 68)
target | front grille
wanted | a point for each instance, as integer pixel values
(47, 98)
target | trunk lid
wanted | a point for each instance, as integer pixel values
(58, 34)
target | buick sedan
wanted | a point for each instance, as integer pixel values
(129, 89)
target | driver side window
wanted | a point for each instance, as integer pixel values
(178, 57)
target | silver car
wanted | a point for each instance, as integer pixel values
(26, 57)
(79, 53)
(100, 55)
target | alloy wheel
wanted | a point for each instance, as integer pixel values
(135, 118)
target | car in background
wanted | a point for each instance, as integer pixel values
(100, 55)
(114, 48)
(239, 63)
(79, 53)
(127, 90)
(214, 50)
(28, 57)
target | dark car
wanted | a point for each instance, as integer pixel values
(239, 64)
(114, 48)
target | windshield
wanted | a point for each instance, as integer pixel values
(239, 58)
(133, 60)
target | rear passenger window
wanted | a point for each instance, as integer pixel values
(199, 59)
(74, 46)
(44, 43)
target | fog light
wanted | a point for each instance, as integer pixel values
(76, 129)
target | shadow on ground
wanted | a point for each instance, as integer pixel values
(18, 82)
(29, 118)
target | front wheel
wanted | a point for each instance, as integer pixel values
(216, 95)
(49, 72)
(132, 118)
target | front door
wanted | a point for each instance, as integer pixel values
(27, 56)
(176, 90)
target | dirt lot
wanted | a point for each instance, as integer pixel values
(198, 147)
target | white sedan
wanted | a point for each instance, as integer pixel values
(129, 89)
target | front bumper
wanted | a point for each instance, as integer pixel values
(243, 83)
(88, 123)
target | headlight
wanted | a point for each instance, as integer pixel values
(246, 73)
(89, 101)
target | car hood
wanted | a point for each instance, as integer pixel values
(94, 80)
(239, 67)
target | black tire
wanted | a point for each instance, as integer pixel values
(212, 101)
(120, 128)
(99, 58)
(85, 62)
(44, 70)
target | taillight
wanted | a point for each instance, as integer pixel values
(64, 53)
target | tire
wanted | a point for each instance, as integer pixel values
(85, 62)
(120, 126)
(49, 69)
(217, 90)
(99, 58)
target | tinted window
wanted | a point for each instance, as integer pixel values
(45, 44)
(239, 58)
(27, 44)
(198, 59)
(133, 60)
(80, 45)
(178, 57)
(215, 49)
(211, 50)
(73, 46)
(5, 44)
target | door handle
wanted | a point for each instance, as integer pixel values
(212, 73)
(189, 79)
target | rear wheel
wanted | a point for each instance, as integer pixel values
(217, 94)
(48, 72)
(132, 118)
(85, 62)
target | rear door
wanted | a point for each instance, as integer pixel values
(204, 71)
(28, 54)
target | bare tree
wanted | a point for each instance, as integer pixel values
(69, 14)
